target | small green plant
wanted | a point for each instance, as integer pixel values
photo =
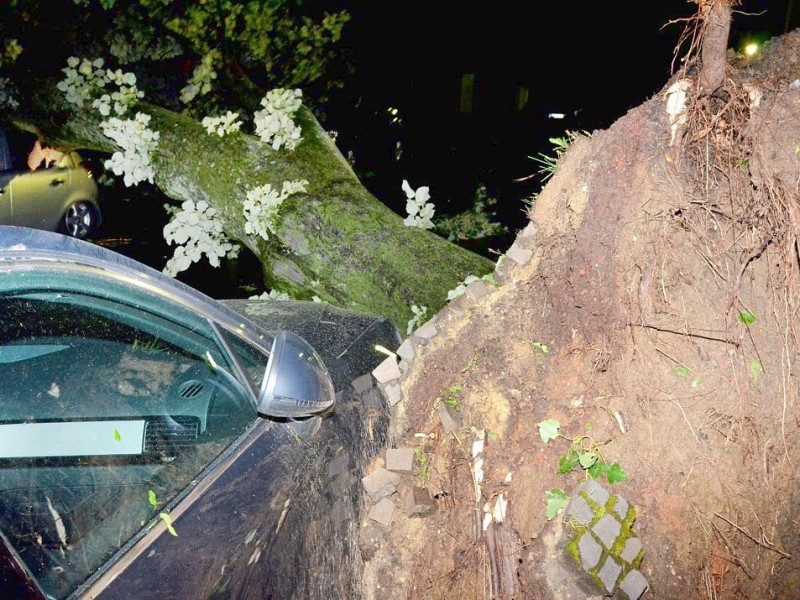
(539, 347)
(556, 500)
(547, 163)
(684, 372)
(470, 365)
(423, 461)
(746, 317)
(528, 204)
(450, 398)
(416, 320)
(584, 453)
(475, 223)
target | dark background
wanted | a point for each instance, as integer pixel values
(591, 61)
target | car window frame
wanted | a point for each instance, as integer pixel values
(249, 333)
(59, 274)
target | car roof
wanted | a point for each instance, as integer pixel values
(20, 245)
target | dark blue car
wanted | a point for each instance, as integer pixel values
(157, 443)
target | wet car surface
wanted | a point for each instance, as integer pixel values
(155, 443)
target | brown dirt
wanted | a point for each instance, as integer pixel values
(645, 254)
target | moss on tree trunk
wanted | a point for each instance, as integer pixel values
(335, 241)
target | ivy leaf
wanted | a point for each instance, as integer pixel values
(567, 462)
(151, 497)
(587, 459)
(597, 469)
(746, 317)
(556, 500)
(548, 429)
(168, 521)
(615, 474)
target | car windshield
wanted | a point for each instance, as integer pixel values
(113, 401)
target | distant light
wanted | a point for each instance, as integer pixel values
(555, 115)
(751, 49)
(394, 115)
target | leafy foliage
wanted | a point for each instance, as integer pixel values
(556, 501)
(583, 454)
(746, 317)
(548, 429)
(475, 223)
(548, 164)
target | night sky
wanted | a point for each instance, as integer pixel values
(592, 61)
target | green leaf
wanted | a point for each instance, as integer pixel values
(681, 371)
(587, 459)
(492, 435)
(597, 469)
(117, 436)
(168, 521)
(746, 317)
(755, 371)
(548, 429)
(297, 438)
(696, 382)
(615, 474)
(556, 500)
(151, 497)
(567, 462)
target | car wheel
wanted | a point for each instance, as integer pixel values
(79, 220)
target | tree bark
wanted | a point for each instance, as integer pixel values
(713, 56)
(355, 250)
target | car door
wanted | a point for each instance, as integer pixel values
(115, 402)
(37, 197)
(5, 196)
(5, 179)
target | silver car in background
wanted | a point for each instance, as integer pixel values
(60, 197)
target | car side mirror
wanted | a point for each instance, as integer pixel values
(296, 383)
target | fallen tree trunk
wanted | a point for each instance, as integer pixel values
(336, 240)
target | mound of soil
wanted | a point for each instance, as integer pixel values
(657, 319)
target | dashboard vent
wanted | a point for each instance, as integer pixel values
(191, 389)
(168, 435)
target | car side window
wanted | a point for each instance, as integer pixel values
(108, 411)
